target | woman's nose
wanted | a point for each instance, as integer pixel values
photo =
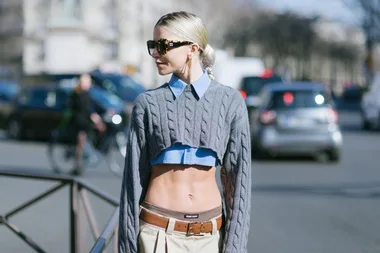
(156, 54)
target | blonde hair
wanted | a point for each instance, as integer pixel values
(78, 88)
(191, 28)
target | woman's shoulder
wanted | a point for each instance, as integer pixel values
(232, 92)
(154, 91)
(146, 96)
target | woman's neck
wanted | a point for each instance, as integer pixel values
(190, 76)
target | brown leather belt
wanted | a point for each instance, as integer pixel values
(190, 228)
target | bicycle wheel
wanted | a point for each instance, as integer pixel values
(115, 157)
(61, 152)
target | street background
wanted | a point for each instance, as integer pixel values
(298, 205)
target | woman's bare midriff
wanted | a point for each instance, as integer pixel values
(183, 188)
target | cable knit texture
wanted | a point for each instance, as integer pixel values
(218, 121)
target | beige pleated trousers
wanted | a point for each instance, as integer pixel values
(154, 239)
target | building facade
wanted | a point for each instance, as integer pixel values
(76, 36)
(11, 38)
(55, 37)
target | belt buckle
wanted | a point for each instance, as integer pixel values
(190, 228)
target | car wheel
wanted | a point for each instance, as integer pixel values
(14, 130)
(333, 155)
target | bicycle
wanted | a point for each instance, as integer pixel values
(99, 147)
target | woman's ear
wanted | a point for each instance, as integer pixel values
(194, 48)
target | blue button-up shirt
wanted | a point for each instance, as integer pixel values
(182, 154)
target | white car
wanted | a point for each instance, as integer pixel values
(370, 105)
(231, 70)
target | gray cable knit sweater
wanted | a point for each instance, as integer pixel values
(218, 121)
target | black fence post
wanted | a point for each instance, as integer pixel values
(77, 229)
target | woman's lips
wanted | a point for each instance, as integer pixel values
(159, 64)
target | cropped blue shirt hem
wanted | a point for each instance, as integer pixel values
(182, 154)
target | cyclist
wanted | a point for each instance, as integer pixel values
(83, 118)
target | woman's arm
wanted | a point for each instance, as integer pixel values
(236, 181)
(135, 180)
(95, 118)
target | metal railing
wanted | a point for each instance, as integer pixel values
(109, 231)
(80, 208)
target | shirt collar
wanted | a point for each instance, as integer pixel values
(177, 86)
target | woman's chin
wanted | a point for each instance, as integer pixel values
(164, 72)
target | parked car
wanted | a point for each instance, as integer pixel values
(370, 105)
(8, 91)
(39, 110)
(352, 94)
(251, 86)
(121, 85)
(296, 118)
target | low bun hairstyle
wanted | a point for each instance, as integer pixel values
(208, 59)
(188, 26)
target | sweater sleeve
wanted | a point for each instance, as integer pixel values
(135, 180)
(236, 181)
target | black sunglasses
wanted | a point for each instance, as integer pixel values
(164, 45)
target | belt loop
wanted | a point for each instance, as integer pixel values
(214, 226)
(171, 224)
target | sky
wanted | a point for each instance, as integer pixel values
(332, 9)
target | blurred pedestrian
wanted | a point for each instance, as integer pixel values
(180, 133)
(83, 118)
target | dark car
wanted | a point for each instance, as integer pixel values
(296, 118)
(350, 98)
(39, 110)
(8, 91)
(252, 85)
(122, 85)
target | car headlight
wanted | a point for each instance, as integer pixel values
(116, 119)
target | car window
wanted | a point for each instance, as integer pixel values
(298, 99)
(128, 82)
(34, 98)
(123, 86)
(129, 93)
(264, 96)
(39, 98)
(109, 85)
(104, 98)
(253, 85)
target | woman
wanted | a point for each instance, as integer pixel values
(180, 132)
(83, 119)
